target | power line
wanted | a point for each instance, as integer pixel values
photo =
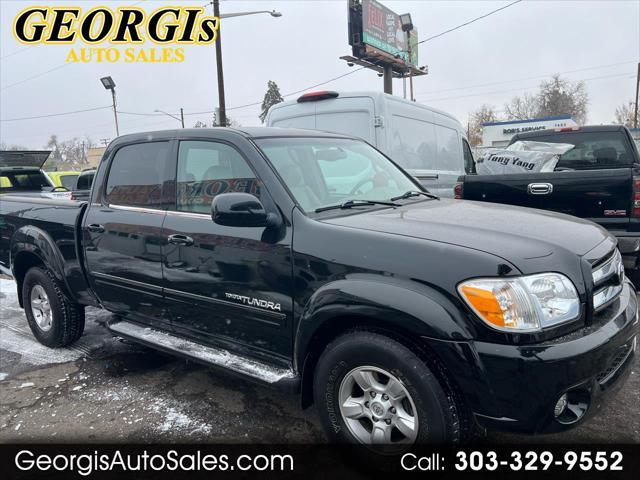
(523, 79)
(523, 88)
(17, 52)
(36, 76)
(54, 114)
(468, 22)
(250, 104)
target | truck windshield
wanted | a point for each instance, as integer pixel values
(320, 172)
(592, 149)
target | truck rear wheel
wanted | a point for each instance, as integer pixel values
(54, 320)
(373, 390)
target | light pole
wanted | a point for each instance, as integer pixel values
(109, 84)
(181, 119)
(222, 120)
(407, 26)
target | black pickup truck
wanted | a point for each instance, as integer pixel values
(598, 179)
(312, 262)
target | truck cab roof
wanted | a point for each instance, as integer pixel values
(216, 132)
(552, 131)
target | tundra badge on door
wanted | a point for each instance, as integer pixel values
(254, 302)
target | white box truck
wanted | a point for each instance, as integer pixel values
(430, 144)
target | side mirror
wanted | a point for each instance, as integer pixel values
(241, 210)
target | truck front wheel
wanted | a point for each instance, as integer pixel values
(373, 390)
(53, 319)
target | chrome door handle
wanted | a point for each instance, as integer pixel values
(95, 228)
(539, 188)
(178, 239)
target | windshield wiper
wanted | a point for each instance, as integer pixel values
(355, 203)
(414, 193)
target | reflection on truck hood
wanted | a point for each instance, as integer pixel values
(509, 232)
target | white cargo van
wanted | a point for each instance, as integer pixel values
(429, 143)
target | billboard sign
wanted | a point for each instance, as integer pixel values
(381, 28)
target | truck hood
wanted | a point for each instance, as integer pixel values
(512, 233)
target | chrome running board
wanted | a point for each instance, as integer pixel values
(202, 353)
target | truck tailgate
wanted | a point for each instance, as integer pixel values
(603, 196)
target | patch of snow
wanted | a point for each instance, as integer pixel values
(32, 352)
(176, 419)
(3, 376)
(8, 296)
(16, 336)
(27, 385)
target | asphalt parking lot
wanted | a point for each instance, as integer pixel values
(104, 389)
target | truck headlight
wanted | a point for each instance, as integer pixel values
(522, 304)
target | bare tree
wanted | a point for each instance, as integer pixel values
(561, 97)
(555, 97)
(484, 114)
(624, 114)
(73, 151)
(13, 146)
(522, 108)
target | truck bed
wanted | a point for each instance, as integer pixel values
(602, 196)
(55, 226)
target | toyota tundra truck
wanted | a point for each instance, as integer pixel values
(311, 262)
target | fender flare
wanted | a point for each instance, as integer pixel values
(407, 305)
(36, 241)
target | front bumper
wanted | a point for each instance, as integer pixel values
(515, 387)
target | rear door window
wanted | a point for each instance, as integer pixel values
(413, 144)
(592, 149)
(136, 175)
(448, 144)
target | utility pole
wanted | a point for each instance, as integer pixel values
(635, 110)
(115, 111)
(222, 120)
(109, 84)
(410, 70)
(182, 116)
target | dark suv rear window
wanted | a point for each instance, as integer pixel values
(592, 149)
(23, 181)
(85, 180)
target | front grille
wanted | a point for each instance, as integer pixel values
(622, 355)
(608, 280)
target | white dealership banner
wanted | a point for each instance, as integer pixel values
(521, 157)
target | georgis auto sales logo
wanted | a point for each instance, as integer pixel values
(165, 27)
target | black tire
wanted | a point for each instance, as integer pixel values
(67, 319)
(437, 412)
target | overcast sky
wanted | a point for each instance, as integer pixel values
(490, 61)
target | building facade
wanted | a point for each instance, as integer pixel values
(499, 134)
